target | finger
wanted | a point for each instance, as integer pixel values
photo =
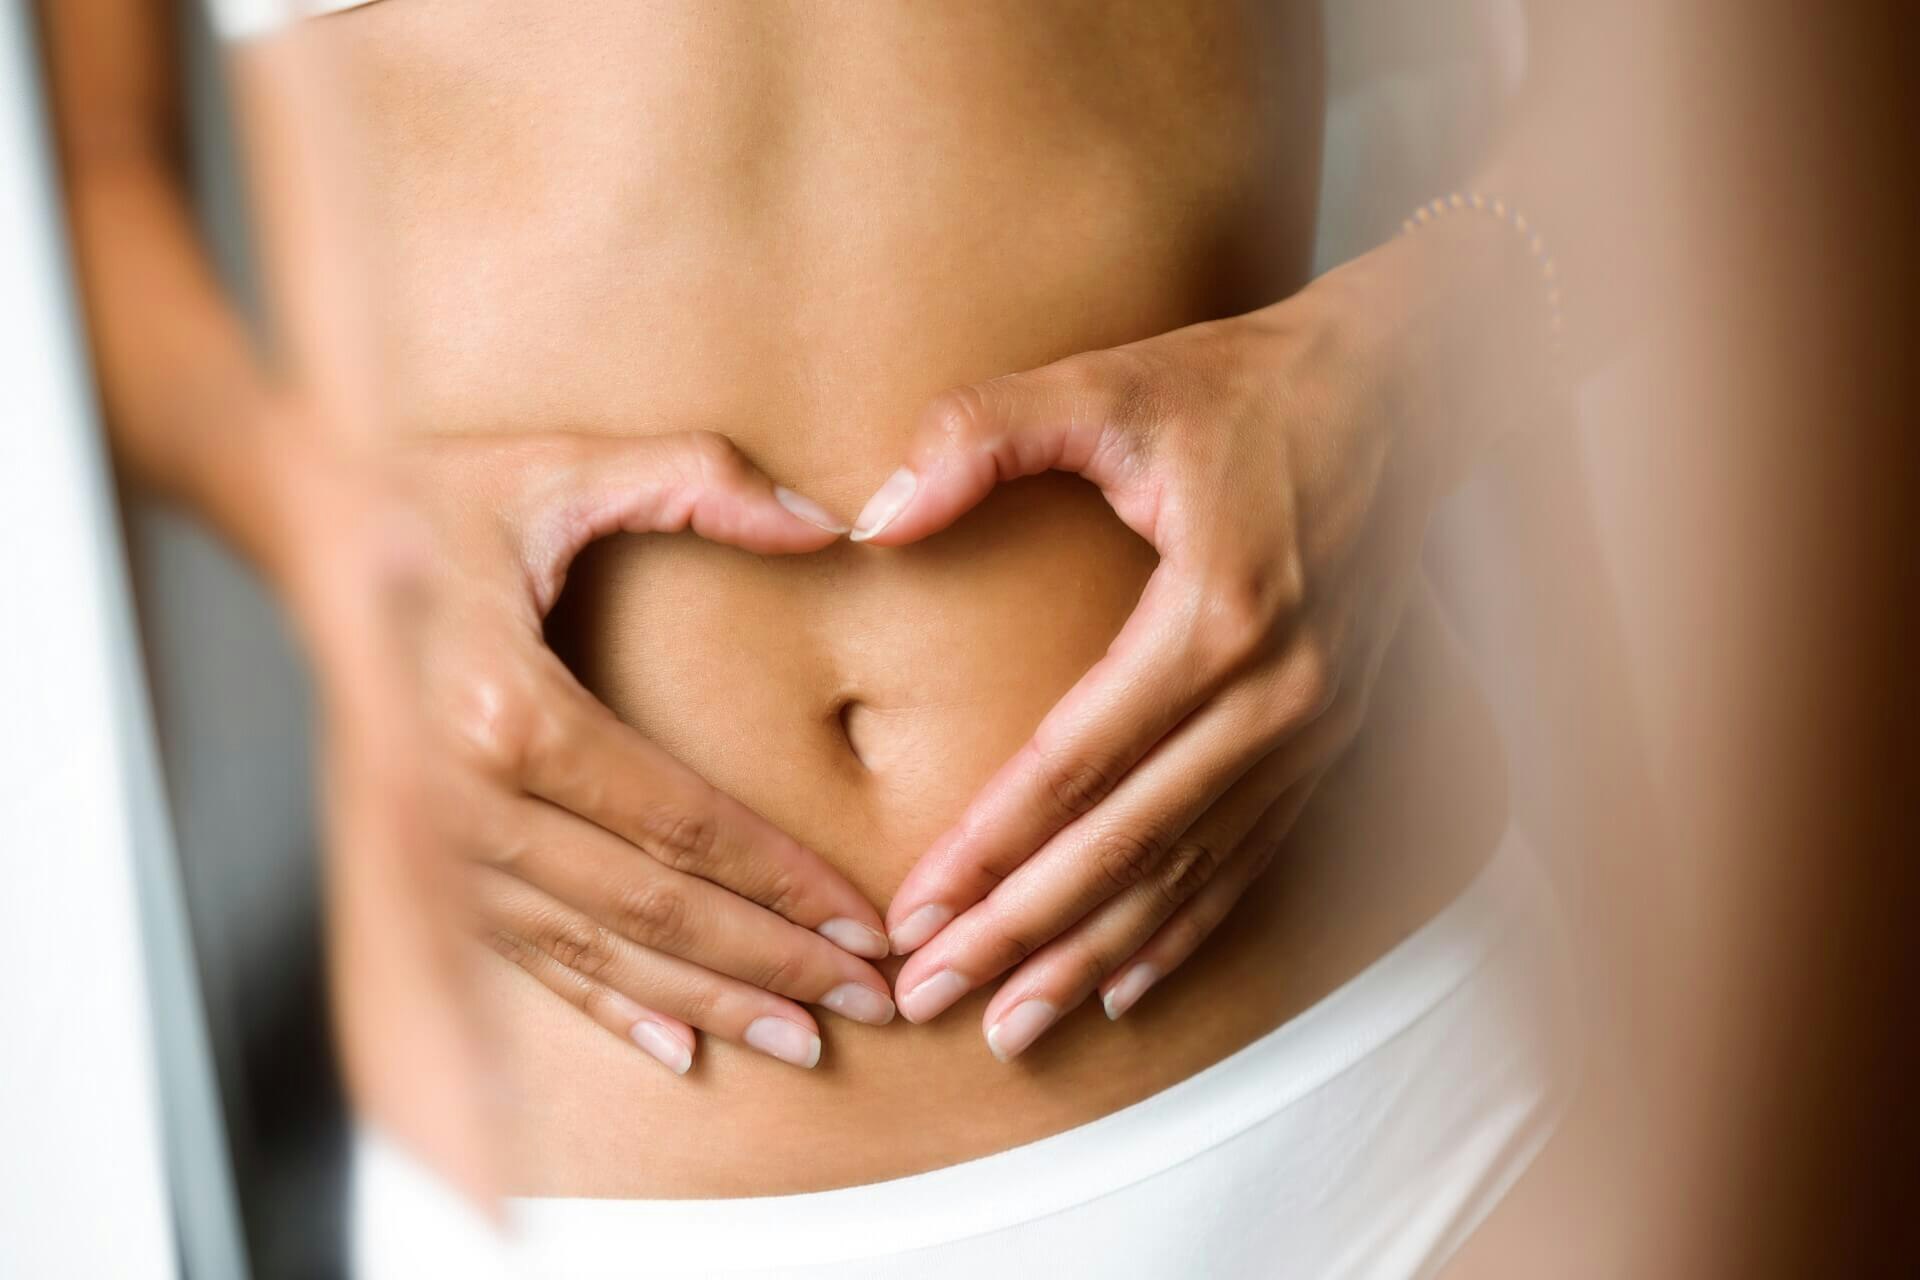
(1216, 768)
(576, 488)
(542, 925)
(1194, 922)
(658, 908)
(1064, 972)
(585, 760)
(1088, 746)
(1072, 415)
(1148, 681)
(666, 1040)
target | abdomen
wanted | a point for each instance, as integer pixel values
(795, 226)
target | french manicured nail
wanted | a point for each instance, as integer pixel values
(918, 927)
(787, 1041)
(933, 996)
(807, 509)
(888, 501)
(859, 1002)
(1020, 1028)
(1133, 984)
(664, 1047)
(855, 938)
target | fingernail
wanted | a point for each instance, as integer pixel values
(787, 1041)
(888, 501)
(1132, 985)
(918, 927)
(859, 1002)
(856, 938)
(1020, 1028)
(932, 996)
(664, 1047)
(807, 509)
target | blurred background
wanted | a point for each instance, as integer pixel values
(1721, 738)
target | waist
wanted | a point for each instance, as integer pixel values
(1450, 1051)
(1440, 1070)
(880, 688)
(736, 689)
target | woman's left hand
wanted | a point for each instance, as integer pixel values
(1265, 458)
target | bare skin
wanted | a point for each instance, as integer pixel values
(613, 290)
(195, 416)
(580, 228)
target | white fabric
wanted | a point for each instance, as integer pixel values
(245, 19)
(1365, 1138)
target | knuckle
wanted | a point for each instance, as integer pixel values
(781, 896)
(499, 727)
(1189, 867)
(571, 943)
(1306, 689)
(653, 914)
(1126, 856)
(1013, 943)
(1077, 783)
(1005, 943)
(781, 971)
(1084, 970)
(959, 417)
(509, 945)
(596, 956)
(1121, 385)
(678, 838)
(510, 846)
(1245, 610)
(698, 1003)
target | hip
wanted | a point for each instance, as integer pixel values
(1365, 1137)
(1394, 833)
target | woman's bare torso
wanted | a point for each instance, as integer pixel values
(795, 224)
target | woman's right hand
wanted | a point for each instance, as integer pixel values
(621, 880)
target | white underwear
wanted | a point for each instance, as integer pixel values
(246, 19)
(1365, 1138)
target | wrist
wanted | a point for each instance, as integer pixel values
(1453, 321)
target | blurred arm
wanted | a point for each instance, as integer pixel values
(197, 414)
(1581, 154)
(190, 405)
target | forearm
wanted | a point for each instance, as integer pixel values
(190, 406)
(195, 414)
(1474, 336)
(1585, 148)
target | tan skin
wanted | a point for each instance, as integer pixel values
(498, 521)
(587, 247)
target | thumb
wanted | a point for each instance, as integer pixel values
(694, 480)
(1056, 418)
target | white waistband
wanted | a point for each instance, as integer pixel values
(245, 19)
(1088, 1163)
